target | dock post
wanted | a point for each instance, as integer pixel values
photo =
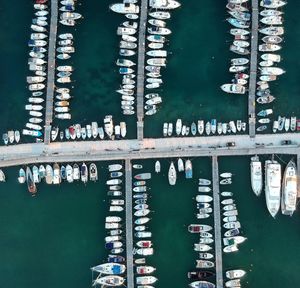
(217, 222)
(51, 71)
(253, 69)
(141, 69)
(129, 231)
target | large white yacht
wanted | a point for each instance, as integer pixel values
(289, 189)
(272, 186)
(256, 175)
(164, 4)
(125, 8)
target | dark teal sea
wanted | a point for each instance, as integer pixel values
(53, 239)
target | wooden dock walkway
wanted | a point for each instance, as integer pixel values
(141, 69)
(217, 223)
(253, 69)
(129, 229)
(51, 71)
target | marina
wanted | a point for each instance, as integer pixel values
(185, 151)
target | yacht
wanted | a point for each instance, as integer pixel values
(30, 183)
(233, 88)
(256, 175)
(289, 189)
(272, 186)
(164, 4)
(125, 8)
(172, 174)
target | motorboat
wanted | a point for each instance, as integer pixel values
(204, 264)
(22, 176)
(264, 113)
(270, 12)
(272, 4)
(272, 71)
(234, 282)
(93, 172)
(268, 47)
(272, 30)
(164, 4)
(256, 175)
(204, 189)
(125, 8)
(238, 23)
(188, 169)
(202, 284)
(204, 198)
(110, 280)
(162, 15)
(172, 174)
(145, 280)
(265, 99)
(145, 270)
(234, 274)
(202, 247)
(272, 186)
(271, 20)
(239, 31)
(30, 183)
(239, 61)
(289, 189)
(233, 88)
(197, 228)
(239, 50)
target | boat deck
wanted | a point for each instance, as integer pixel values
(253, 69)
(141, 69)
(129, 231)
(217, 223)
(51, 71)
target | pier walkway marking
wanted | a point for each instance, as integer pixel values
(24, 154)
(51, 71)
(217, 222)
(141, 70)
(129, 233)
(253, 69)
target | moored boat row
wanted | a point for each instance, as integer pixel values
(11, 137)
(211, 127)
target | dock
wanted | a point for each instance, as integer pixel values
(298, 174)
(129, 229)
(253, 69)
(141, 69)
(217, 223)
(51, 71)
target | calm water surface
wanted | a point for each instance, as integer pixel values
(52, 240)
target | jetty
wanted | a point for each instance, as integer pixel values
(129, 229)
(141, 69)
(253, 69)
(23, 154)
(51, 71)
(217, 223)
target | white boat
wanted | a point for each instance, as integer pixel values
(202, 247)
(157, 166)
(157, 22)
(125, 8)
(170, 129)
(233, 283)
(108, 125)
(270, 12)
(204, 189)
(204, 182)
(204, 198)
(164, 4)
(180, 165)
(232, 225)
(237, 273)
(200, 126)
(230, 213)
(289, 189)
(165, 129)
(145, 269)
(145, 280)
(271, 20)
(272, 4)
(163, 15)
(272, 30)
(172, 174)
(256, 175)
(110, 280)
(145, 251)
(233, 88)
(272, 186)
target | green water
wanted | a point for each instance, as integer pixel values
(53, 239)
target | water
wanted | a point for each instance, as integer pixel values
(52, 240)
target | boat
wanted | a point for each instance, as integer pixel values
(230, 213)
(233, 240)
(36, 175)
(145, 251)
(110, 280)
(30, 183)
(239, 61)
(203, 181)
(204, 189)
(264, 113)
(230, 248)
(115, 259)
(289, 189)
(93, 172)
(172, 174)
(271, 57)
(232, 225)
(202, 247)
(270, 12)
(125, 8)
(233, 274)
(204, 264)
(272, 186)
(227, 201)
(293, 123)
(157, 166)
(207, 128)
(141, 221)
(188, 169)
(256, 175)
(145, 270)
(238, 23)
(162, 15)
(178, 127)
(145, 280)
(69, 173)
(198, 228)
(226, 181)
(204, 198)
(272, 5)
(272, 31)
(143, 176)
(114, 167)
(202, 284)
(109, 268)
(233, 88)
(22, 176)
(163, 4)
(233, 283)
(143, 234)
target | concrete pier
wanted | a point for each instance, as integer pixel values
(129, 229)
(51, 71)
(253, 69)
(217, 223)
(141, 69)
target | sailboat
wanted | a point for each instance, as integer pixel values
(172, 176)
(256, 175)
